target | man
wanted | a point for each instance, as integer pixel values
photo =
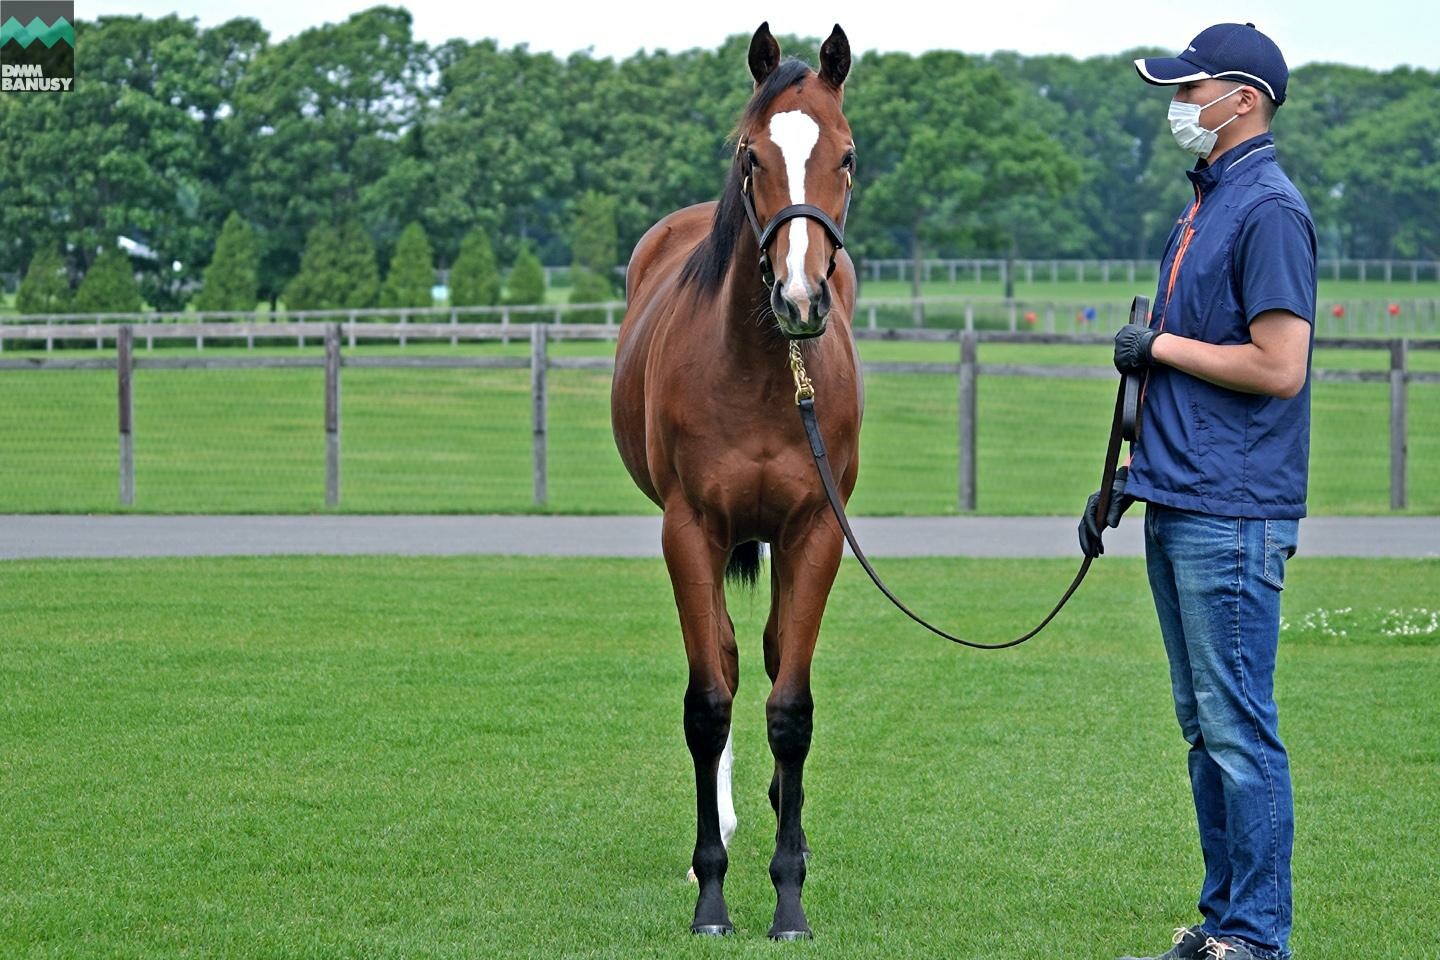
(1222, 461)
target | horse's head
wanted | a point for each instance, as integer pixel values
(797, 157)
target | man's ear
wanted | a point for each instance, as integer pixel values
(764, 53)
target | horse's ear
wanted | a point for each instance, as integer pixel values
(835, 58)
(764, 54)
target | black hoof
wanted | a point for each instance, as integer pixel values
(712, 929)
(792, 934)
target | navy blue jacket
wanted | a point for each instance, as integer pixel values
(1246, 245)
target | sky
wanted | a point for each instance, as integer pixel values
(1381, 34)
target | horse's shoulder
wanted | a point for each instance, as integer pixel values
(672, 237)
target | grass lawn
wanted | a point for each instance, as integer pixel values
(460, 440)
(482, 757)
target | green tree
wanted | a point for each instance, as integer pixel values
(412, 271)
(109, 285)
(943, 145)
(46, 287)
(232, 279)
(592, 242)
(474, 277)
(592, 247)
(587, 286)
(337, 270)
(1387, 169)
(502, 146)
(526, 283)
(319, 121)
(146, 162)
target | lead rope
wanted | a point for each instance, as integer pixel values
(1120, 426)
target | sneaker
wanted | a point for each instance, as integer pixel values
(1187, 942)
(1226, 948)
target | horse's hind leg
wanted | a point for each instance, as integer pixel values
(696, 568)
(807, 569)
(730, 664)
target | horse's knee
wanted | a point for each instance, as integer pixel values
(707, 718)
(789, 722)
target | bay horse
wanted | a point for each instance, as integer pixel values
(702, 406)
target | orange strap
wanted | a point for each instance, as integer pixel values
(1185, 237)
(1180, 255)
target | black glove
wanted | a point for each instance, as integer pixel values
(1132, 348)
(1090, 528)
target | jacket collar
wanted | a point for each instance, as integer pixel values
(1208, 176)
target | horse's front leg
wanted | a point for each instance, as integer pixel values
(697, 566)
(806, 568)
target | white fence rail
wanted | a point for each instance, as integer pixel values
(967, 368)
(1347, 317)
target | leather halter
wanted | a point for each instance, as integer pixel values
(764, 237)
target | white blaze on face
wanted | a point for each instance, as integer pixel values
(795, 133)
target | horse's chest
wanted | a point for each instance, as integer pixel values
(743, 475)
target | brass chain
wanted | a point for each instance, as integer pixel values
(804, 389)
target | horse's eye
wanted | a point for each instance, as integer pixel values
(848, 161)
(754, 160)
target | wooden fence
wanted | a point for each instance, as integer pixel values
(982, 270)
(967, 368)
(1408, 317)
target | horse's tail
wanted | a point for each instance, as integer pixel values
(744, 565)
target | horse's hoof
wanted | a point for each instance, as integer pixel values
(712, 929)
(792, 935)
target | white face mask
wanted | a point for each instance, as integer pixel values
(1185, 125)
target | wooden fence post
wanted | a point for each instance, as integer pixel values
(538, 363)
(125, 365)
(968, 372)
(1399, 350)
(332, 415)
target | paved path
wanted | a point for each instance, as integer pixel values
(163, 536)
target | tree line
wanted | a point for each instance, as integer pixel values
(309, 169)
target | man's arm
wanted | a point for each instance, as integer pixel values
(1272, 363)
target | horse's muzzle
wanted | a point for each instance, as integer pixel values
(800, 318)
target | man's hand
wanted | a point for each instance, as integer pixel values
(1132, 348)
(1090, 530)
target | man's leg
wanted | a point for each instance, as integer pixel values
(1166, 544)
(1229, 573)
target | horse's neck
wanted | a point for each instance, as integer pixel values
(750, 334)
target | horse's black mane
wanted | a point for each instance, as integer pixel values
(707, 265)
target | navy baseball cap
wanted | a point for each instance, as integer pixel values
(1226, 51)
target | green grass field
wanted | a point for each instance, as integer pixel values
(459, 441)
(482, 757)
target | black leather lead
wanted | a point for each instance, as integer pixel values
(1123, 426)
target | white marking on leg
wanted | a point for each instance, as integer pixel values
(728, 821)
(795, 133)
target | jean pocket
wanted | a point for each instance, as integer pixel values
(1280, 542)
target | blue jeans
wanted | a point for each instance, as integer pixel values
(1217, 582)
